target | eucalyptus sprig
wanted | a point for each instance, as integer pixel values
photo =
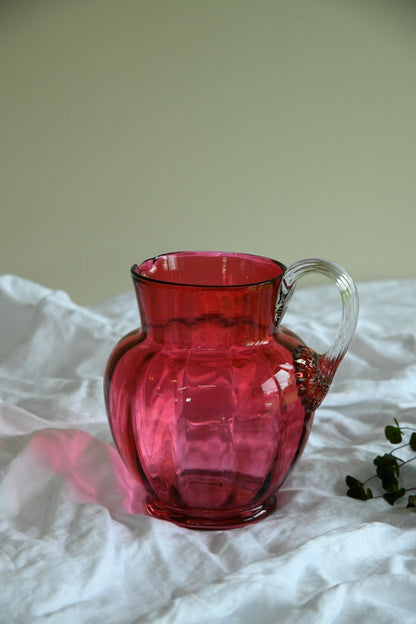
(388, 470)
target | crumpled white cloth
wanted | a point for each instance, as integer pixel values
(76, 544)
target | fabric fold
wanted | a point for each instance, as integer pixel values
(76, 543)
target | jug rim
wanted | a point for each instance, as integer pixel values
(138, 270)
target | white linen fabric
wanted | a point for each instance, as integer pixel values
(76, 543)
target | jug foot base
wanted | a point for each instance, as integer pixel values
(211, 520)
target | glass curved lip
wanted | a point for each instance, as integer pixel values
(138, 274)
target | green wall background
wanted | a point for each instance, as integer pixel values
(131, 128)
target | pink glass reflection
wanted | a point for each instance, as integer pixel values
(91, 467)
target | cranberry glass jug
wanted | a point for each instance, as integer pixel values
(211, 402)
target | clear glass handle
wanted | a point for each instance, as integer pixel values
(317, 370)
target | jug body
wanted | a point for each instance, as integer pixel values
(211, 402)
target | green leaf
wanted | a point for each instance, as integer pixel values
(352, 482)
(392, 497)
(390, 484)
(393, 434)
(359, 493)
(387, 470)
(385, 460)
(411, 501)
(387, 466)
